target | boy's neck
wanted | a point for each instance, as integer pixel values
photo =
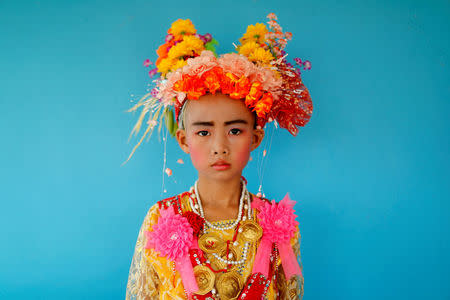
(219, 194)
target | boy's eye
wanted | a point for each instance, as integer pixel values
(203, 133)
(235, 131)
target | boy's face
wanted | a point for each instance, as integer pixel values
(219, 135)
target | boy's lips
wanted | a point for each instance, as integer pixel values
(221, 165)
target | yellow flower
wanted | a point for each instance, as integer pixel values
(195, 43)
(178, 64)
(255, 33)
(190, 45)
(247, 48)
(181, 27)
(178, 51)
(261, 55)
(165, 65)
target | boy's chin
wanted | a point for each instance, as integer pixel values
(223, 175)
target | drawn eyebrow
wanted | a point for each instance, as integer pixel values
(211, 123)
(203, 124)
(238, 121)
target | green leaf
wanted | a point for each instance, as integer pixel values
(169, 120)
(211, 46)
(174, 129)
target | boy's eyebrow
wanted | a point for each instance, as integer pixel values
(203, 124)
(238, 121)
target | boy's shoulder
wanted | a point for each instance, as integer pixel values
(264, 198)
(181, 202)
(154, 211)
(178, 202)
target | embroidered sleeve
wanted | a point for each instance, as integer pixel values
(143, 281)
(292, 289)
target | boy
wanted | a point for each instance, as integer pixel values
(219, 241)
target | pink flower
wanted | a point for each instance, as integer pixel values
(195, 66)
(277, 219)
(198, 65)
(237, 64)
(208, 37)
(234, 63)
(154, 92)
(278, 223)
(152, 72)
(307, 65)
(172, 236)
(272, 16)
(147, 62)
(169, 37)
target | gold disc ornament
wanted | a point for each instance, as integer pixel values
(210, 243)
(251, 231)
(205, 279)
(229, 285)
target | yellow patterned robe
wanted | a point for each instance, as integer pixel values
(151, 276)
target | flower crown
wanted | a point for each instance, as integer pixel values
(258, 73)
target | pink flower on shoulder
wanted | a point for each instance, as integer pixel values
(172, 236)
(277, 219)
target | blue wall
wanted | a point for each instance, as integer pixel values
(370, 171)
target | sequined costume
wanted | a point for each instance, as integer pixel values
(153, 276)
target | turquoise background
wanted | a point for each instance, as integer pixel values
(370, 172)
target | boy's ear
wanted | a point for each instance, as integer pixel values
(258, 135)
(181, 138)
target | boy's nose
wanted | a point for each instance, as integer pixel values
(220, 146)
(222, 152)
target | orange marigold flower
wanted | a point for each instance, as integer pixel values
(193, 86)
(264, 105)
(228, 83)
(212, 79)
(179, 86)
(241, 88)
(254, 94)
(162, 50)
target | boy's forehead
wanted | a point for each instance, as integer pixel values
(216, 107)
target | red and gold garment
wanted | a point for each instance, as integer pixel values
(153, 276)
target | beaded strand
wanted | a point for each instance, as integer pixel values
(244, 194)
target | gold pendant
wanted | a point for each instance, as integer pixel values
(210, 243)
(205, 279)
(229, 285)
(219, 265)
(251, 231)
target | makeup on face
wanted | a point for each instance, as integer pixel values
(219, 135)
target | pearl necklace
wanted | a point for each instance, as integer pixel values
(195, 207)
(244, 194)
(234, 262)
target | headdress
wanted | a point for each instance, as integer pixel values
(258, 73)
